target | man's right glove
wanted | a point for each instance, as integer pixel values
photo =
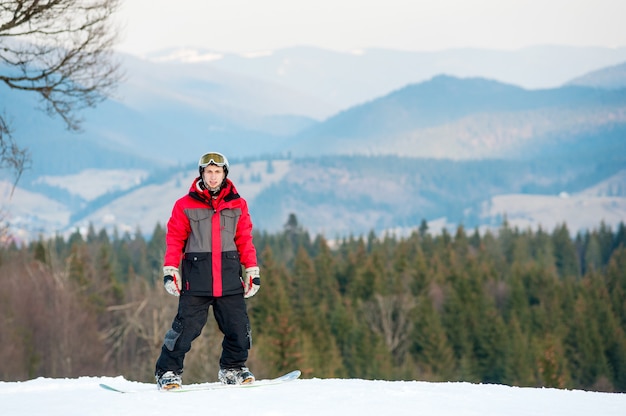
(172, 280)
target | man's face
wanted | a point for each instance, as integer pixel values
(213, 176)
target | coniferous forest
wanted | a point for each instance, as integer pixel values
(515, 307)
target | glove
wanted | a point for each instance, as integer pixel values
(251, 282)
(171, 280)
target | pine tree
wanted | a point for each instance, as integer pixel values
(40, 252)
(585, 350)
(455, 319)
(592, 259)
(123, 261)
(155, 253)
(611, 336)
(551, 363)
(430, 344)
(543, 250)
(77, 264)
(490, 347)
(616, 284)
(110, 289)
(606, 241)
(620, 237)
(566, 260)
(521, 360)
(91, 234)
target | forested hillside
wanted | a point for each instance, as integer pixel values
(527, 308)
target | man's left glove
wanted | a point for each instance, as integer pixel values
(171, 280)
(251, 282)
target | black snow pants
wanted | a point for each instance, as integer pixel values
(231, 315)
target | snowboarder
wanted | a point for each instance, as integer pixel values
(210, 231)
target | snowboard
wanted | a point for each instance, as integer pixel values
(209, 386)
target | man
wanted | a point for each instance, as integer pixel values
(210, 231)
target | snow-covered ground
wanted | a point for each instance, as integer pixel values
(92, 183)
(83, 396)
(579, 212)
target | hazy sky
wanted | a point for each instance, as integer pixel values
(419, 25)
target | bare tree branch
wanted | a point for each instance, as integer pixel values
(61, 50)
(12, 157)
(389, 317)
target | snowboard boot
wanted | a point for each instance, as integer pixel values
(235, 376)
(169, 381)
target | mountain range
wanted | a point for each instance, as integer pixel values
(348, 142)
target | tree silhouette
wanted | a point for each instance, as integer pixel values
(61, 50)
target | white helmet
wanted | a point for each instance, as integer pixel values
(213, 158)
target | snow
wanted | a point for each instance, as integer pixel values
(92, 183)
(82, 396)
(580, 212)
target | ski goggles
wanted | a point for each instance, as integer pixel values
(212, 158)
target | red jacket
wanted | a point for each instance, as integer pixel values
(213, 238)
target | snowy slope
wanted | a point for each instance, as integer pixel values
(83, 396)
(148, 205)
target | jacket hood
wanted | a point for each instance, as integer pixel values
(198, 189)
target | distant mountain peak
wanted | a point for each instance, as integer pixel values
(195, 55)
(451, 83)
(186, 55)
(613, 77)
